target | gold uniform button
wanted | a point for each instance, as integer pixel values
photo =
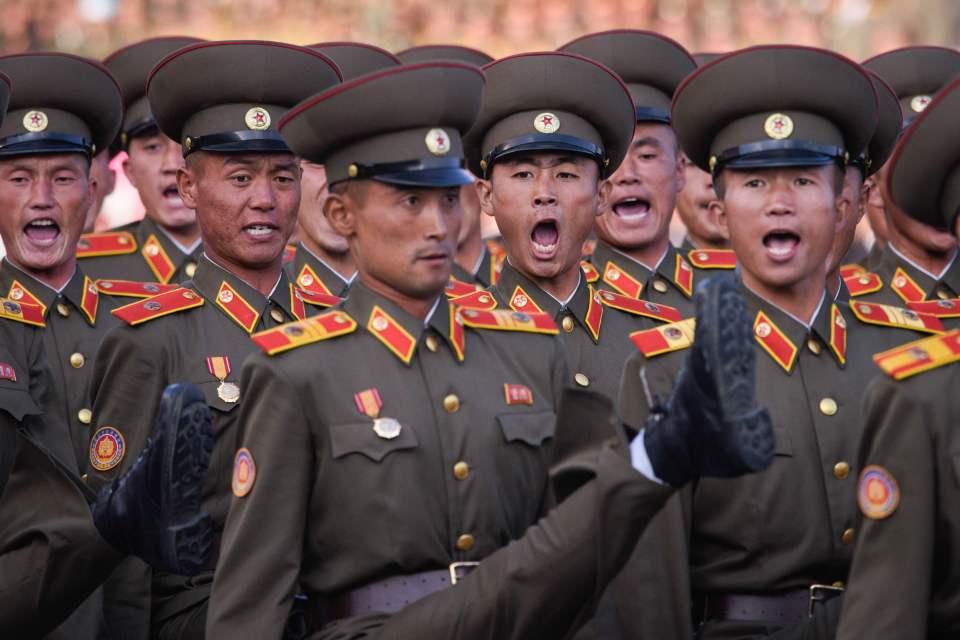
(465, 542)
(190, 269)
(660, 286)
(451, 403)
(63, 309)
(847, 536)
(582, 380)
(277, 315)
(841, 470)
(943, 295)
(84, 477)
(839, 584)
(432, 343)
(84, 416)
(567, 324)
(814, 346)
(828, 406)
(77, 360)
(461, 470)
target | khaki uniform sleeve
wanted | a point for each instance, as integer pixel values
(889, 582)
(257, 573)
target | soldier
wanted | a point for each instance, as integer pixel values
(244, 185)
(106, 179)
(164, 247)
(443, 440)
(904, 580)
(46, 143)
(633, 255)
(323, 263)
(544, 146)
(919, 266)
(852, 280)
(766, 551)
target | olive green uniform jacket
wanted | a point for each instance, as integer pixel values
(309, 272)
(146, 254)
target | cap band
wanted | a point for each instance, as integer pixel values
(34, 143)
(427, 172)
(773, 153)
(236, 141)
(545, 142)
(653, 114)
(139, 128)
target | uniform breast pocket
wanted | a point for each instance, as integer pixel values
(17, 402)
(361, 438)
(219, 398)
(532, 429)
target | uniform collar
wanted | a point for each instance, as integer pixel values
(239, 301)
(79, 294)
(162, 255)
(398, 331)
(310, 272)
(628, 277)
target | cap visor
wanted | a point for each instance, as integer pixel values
(446, 177)
(780, 158)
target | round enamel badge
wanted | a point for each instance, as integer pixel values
(878, 494)
(35, 121)
(546, 123)
(244, 473)
(919, 103)
(106, 448)
(778, 126)
(257, 119)
(438, 142)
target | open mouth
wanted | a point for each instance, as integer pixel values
(259, 230)
(545, 238)
(42, 231)
(170, 192)
(781, 245)
(631, 208)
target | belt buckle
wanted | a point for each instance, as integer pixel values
(460, 570)
(818, 593)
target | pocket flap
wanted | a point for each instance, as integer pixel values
(359, 437)
(211, 392)
(531, 428)
(783, 445)
(18, 403)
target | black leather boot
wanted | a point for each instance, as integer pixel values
(711, 425)
(154, 510)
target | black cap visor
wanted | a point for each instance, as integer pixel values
(779, 154)
(237, 142)
(550, 142)
(29, 144)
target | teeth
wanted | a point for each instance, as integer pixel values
(543, 247)
(780, 251)
(42, 223)
(257, 229)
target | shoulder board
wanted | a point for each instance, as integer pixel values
(588, 247)
(318, 299)
(645, 308)
(849, 270)
(108, 243)
(939, 308)
(713, 258)
(506, 320)
(670, 337)
(477, 300)
(296, 334)
(495, 247)
(589, 271)
(888, 316)
(458, 288)
(164, 304)
(22, 312)
(916, 357)
(133, 289)
(863, 283)
(289, 253)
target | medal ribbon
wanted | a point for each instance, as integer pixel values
(219, 367)
(368, 402)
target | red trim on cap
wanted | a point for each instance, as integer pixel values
(122, 50)
(908, 134)
(345, 86)
(636, 32)
(919, 47)
(771, 47)
(423, 47)
(886, 85)
(362, 45)
(224, 43)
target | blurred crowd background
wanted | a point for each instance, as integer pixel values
(858, 28)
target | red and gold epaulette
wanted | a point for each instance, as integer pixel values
(906, 287)
(503, 320)
(850, 270)
(133, 289)
(164, 304)
(318, 299)
(939, 308)
(863, 283)
(661, 312)
(21, 312)
(296, 334)
(458, 288)
(713, 258)
(888, 316)
(588, 247)
(669, 337)
(496, 248)
(289, 253)
(916, 357)
(481, 299)
(589, 271)
(107, 243)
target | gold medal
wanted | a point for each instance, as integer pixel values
(219, 368)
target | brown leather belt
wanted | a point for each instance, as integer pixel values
(389, 595)
(785, 607)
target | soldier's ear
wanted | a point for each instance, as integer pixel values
(603, 196)
(485, 195)
(187, 185)
(338, 210)
(718, 216)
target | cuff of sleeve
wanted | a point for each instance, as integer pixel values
(640, 459)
